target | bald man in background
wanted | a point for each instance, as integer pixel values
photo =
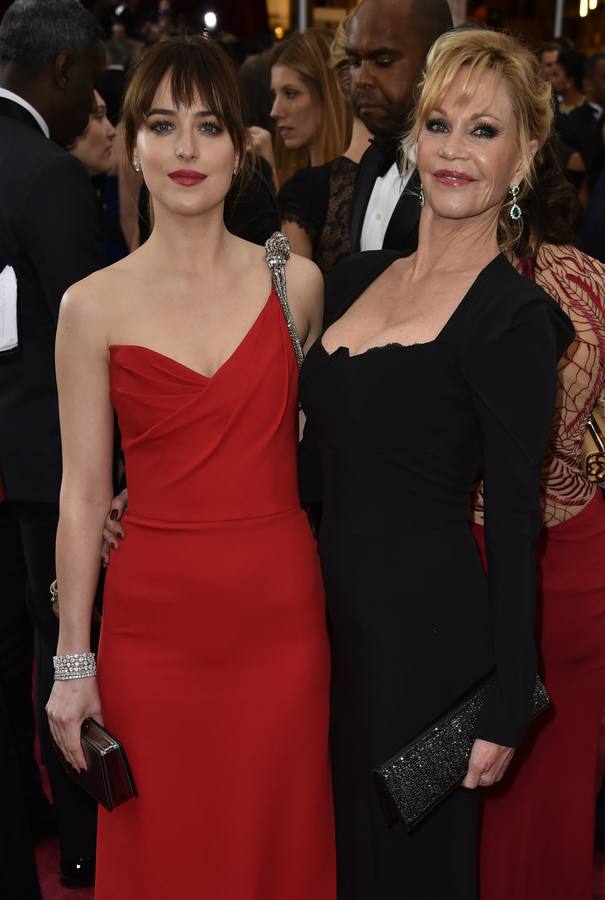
(388, 41)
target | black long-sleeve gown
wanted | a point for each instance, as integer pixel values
(403, 434)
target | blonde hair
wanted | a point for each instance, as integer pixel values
(339, 58)
(308, 53)
(478, 50)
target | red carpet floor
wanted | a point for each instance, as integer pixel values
(47, 856)
(47, 859)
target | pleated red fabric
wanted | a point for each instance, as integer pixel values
(214, 658)
(537, 840)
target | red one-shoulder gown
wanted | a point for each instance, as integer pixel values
(214, 658)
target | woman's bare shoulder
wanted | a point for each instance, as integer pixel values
(97, 299)
(303, 275)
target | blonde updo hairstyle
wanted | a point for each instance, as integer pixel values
(478, 50)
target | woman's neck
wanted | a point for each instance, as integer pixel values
(187, 244)
(360, 141)
(315, 155)
(455, 245)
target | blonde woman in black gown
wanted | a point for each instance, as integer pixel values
(441, 369)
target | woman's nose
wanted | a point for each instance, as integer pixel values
(186, 147)
(453, 146)
(275, 109)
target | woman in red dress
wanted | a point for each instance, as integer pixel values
(538, 825)
(214, 660)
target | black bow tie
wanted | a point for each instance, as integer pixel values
(388, 152)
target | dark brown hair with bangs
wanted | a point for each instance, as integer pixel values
(197, 67)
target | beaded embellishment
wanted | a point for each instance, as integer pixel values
(418, 778)
(277, 253)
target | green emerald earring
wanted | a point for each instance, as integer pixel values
(515, 210)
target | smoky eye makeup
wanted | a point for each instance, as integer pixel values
(164, 126)
(159, 126)
(485, 130)
(211, 127)
(436, 124)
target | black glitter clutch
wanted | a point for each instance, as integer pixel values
(418, 779)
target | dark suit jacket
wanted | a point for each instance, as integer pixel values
(402, 230)
(49, 235)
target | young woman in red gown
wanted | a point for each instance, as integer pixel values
(214, 660)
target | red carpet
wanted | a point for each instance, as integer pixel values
(47, 859)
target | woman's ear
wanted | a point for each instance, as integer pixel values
(521, 171)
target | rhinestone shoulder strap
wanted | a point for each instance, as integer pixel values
(277, 253)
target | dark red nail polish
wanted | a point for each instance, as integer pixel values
(113, 514)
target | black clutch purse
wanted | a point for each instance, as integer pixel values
(108, 777)
(419, 778)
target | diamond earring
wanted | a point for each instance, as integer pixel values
(421, 197)
(136, 165)
(515, 210)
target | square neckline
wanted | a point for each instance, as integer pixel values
(344, 351)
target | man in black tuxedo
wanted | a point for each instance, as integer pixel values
(387, 44)
(50, 57)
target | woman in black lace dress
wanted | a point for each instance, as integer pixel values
(315, 203)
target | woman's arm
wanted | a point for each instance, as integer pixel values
(86, 490)
(262, 143)
(306, 297)
(300, 240)
(303, 206)
(513, 378)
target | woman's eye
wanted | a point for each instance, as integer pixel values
(291, 94)
(210, 128)
(160, 127)
(438, 125)
(485, 131)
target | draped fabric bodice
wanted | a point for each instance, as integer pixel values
(217, 448)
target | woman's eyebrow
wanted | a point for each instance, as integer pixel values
(173, 112)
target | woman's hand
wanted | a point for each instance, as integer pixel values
(69, 704)
(262, 142)
(487, 764)
(113, 532)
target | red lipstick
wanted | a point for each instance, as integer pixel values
(187, 177)
(449, 178)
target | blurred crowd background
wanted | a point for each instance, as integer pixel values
(290, 134)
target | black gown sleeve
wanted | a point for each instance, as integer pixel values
(513, 377)
(303, 199)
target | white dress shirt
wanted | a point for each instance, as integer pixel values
(383, 200)
(9, 95)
